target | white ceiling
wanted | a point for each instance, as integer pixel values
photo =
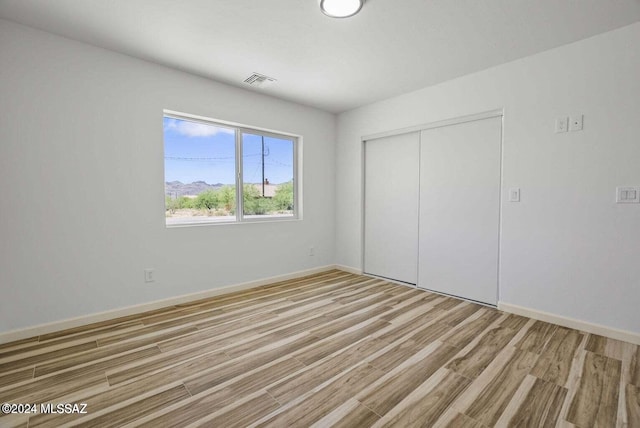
(391, 47)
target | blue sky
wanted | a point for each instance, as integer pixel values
(199, 152)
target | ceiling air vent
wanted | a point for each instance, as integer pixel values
(259, 80)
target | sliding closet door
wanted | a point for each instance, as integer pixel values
(460, 209)
(391, 207)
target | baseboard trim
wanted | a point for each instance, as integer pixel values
(349, 269)
(54, 326)
(624, 335)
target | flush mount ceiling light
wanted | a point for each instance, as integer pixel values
(340, 8)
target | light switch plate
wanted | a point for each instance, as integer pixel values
(627, 195)
(514, 195)
(576, 122)
(562, 124)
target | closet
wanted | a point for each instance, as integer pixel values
(432, 206)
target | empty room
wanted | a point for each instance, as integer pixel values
(349, 213)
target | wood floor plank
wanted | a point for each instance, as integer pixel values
(259, 379)
(596, 401)
(388, 394)
(396, 356)
(464, 334)
(424, 336)
(242, 415)
(291, 289)
(596, 344)
(220, 335)
(14, 421)
(16, 377)
(458, 313)
(107, 363)
(448, 303)
(343, 319)
(426, 411)
(495, 397)
(308, 379)
(359, 295)
(185, 316)
(421, 302)
(310, 281)
(381, 303)
(117, 375)
(137, 410)
(541, 407)
(351, 284)
(80, 338)
(573, 382)
(184, 322)
(236, 314)
(18, 363)
(537, 337)
(632, 394)
(359, 416)
(18, 343)
(208, 402)
(41, 390)
(462, 313)
(267, 339)
(72, 360)
(399, 328)
(345, 288)
(519, 398)
(340, 341)
(514, 322)
(462, 420)
(239, 366)
(256, 297)
(321, 403)
(273, 297)
(114, 395)
(95, 334)
(283, 320)
(102, 325)
(478, 358)
(635, 367)
(555, 361)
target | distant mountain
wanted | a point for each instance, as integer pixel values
(178, 188)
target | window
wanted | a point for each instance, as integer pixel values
(216, 173)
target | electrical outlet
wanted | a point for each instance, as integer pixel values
(576, 122)
(312, 251)
(562, 124)
(627, 195)
(149, 275)
(514, 195)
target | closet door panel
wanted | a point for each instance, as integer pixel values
(460, 209)
(391, 207)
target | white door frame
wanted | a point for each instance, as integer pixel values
(423, 127)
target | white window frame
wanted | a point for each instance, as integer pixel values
(239, 129)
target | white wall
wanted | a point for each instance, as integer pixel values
(567, 249)
(81, 170)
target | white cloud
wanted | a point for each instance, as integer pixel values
(195, 129)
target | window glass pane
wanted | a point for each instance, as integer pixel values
(267, 170)
(199, 172)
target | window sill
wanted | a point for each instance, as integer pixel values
(191, 222)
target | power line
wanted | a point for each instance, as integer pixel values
(197, 159)
(208, 158)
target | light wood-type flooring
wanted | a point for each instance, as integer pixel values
(333, 349)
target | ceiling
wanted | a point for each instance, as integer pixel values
(391, 47)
